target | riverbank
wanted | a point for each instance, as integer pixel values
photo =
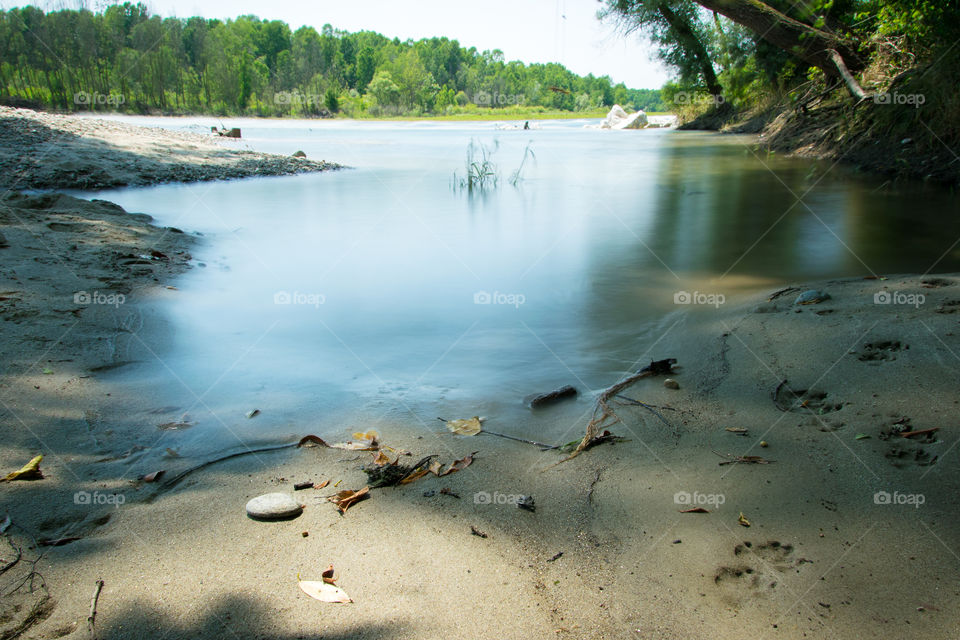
(845, 507)
(855, 490)
(50, 151)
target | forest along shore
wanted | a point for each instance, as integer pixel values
(52, 151)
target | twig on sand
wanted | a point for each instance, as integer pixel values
(776, 395)
(183, 474)
(731, 459)
(648, 407)
(921, 432)
(92, 618)
(777, 294)
(603, 415)
(503, 435)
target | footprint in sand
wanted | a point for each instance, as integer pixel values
(804, 400)
(759, 572)
(881, 351)
(902, 456)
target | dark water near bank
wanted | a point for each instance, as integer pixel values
(409, 299)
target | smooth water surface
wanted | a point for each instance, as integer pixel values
(383, 290)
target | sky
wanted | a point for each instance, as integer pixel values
(565, 31)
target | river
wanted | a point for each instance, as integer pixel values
(334, 301)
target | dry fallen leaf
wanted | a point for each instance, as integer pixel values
(743, 520)
(345, 499)
(459, 465)
(416, 474)
(152, 477)
(435, 467)
(322, 484)
(380, 459)
(323, 591)
(28, 471)
(327, 575)
(470, 427)
(312, 440)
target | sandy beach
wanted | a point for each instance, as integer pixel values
(819, 439)
(51, 151)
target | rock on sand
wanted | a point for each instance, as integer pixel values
(273, 506)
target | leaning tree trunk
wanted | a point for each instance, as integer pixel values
(692, 43)
(811, 45)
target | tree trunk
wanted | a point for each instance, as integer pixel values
(801, 40)
(691, 43)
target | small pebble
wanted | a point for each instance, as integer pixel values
(670, 383)
(527, 503)
(763, 443)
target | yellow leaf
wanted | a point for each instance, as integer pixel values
(29, 470)
(469, 427)
(743, 520)
(324, 592)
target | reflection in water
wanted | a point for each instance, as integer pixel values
(382, 291)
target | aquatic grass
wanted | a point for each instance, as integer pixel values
(481, 172)
(517, 175)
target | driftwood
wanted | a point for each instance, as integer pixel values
(551, 397)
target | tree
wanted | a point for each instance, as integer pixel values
(807, 43)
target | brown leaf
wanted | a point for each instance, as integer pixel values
(327, 575)
(345, 499)
(311, 440)
(152, 477)
(459, 465)
(743, 520)
(476, 532)
(322, 484)
(416, 474)
(695, 510)
(435, 467)
(380, 459)
(469, 427)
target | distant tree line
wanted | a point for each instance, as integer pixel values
(126, 59)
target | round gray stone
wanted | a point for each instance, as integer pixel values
(812, 296)
(273, 506)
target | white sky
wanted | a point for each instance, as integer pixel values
(565, 31)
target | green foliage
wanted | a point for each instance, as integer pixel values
(126, 59)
